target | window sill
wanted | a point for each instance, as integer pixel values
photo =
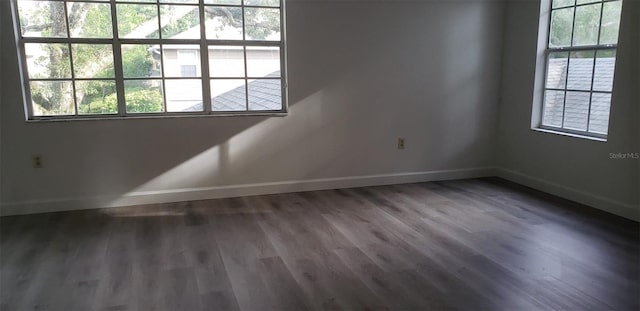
(152, 116)
(562, 133)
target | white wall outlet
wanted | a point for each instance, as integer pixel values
(36, 159)
(401, 143)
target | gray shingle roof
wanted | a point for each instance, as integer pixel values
(232, 100)
(576, 107)
(264, 94)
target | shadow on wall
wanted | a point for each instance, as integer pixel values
(360, 77)
(471, 59)
(347, 83)
(255, 149)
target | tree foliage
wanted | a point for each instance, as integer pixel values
(586, 29)
(138, 100)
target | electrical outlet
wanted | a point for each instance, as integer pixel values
(37, 161)
(400, 143)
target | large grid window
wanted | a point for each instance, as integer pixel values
(581, 54)
(110, 58)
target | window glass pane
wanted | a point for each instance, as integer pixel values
(174, 57)
(605, 67)
(143, 96)
(263, 61)
(562, 3)
(580, 70)
(610, 22)
(587, 25)
(553, 107)
(180, 21)
(137, 21)
(52, 98)
(42, 19)
(96, 97)
(262, 2)
(223, 23)
(179, 1)
(48, 60)
(226, 61)
(141, 61)
(561, 27)
(89, 20)
(136, 0)
(189, 71)
(183, 95)
(576, 111)
(228, 95)
(262, 24)
(557, 70)
(92, 60)
(265, 94)
(599, 119)
(587, 1)
(231, 2)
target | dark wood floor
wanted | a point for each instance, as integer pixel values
(469, 245)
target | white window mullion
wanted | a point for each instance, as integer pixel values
(117, 62)
(595, 61)
(204, 61)
(244, 49)
(284, 84)
(73, 78)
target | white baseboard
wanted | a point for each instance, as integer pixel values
(608, 205)
(178, 195)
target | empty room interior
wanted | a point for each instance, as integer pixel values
(319, 154)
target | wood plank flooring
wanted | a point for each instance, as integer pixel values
(482, 244)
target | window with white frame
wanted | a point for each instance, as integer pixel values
(118, 58)
(188, 60)
(580, 65)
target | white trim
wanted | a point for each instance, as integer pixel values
(561, 132)
(187, 194)
(177, 195)
(596, 201)
(544, 22)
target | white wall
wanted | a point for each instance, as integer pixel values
(576, 168)
(361, 74)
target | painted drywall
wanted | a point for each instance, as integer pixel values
(361, 74)
(577, 168)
